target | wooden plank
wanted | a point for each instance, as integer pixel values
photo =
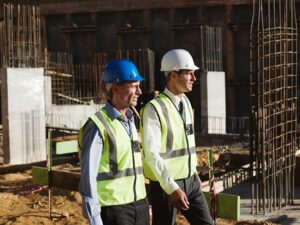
(69, 7)
(7, 168)
(228, 206)
(61, 179)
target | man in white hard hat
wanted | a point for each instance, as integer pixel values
(168, 140)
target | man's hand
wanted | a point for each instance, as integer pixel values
(179, 200)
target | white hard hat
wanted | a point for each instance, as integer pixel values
(177, 59)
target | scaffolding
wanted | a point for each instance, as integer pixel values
(273, 93)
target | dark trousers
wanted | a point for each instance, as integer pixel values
(164, 213)
(136, 213)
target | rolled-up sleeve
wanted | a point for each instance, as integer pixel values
(151, 146)
(90, 159)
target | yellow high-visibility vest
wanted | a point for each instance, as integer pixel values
(120, 177)
(177, 138)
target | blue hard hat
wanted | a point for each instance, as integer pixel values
(120, 70)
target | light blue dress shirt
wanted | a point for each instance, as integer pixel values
(91, 155)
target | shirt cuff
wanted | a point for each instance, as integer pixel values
(91, 210)
(170, 187)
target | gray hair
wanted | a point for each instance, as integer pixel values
(108, 90)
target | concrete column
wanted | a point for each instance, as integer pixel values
(213, 103)
(23, 115)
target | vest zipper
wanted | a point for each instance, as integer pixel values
(187, 144)
(134, 171)
(188, 147)
(133, 158)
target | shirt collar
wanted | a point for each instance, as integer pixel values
(175, 99)
(113, 113)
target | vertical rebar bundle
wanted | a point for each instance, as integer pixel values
(100, 60)
(211, 48)
(21, 36)
(273, 93)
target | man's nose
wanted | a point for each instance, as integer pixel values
(193, 77)
(138, 90)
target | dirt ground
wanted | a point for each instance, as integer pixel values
(23, 203)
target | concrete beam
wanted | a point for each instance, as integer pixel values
(70, 7)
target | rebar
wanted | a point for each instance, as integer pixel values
(211, 48)
(273, 95)
(59, 66)
(82, 83)
(144, 61)
(21, 36)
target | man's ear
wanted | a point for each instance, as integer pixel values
(114, 88)
(173, 75)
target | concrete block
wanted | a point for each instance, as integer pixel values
(40, 175)
(227, 206)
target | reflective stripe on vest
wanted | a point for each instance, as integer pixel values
(170, 139)
(177, 138)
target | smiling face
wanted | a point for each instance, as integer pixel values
(126, 94)
(182, 81)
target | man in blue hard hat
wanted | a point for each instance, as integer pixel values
(112, 181)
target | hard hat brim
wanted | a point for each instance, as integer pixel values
(194, 67)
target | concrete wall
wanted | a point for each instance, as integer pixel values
(69, 116)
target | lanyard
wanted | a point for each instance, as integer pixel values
(127, 126)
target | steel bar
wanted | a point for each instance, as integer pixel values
(211, 48)
(81, 83)
(21, 36)
(273, 87)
